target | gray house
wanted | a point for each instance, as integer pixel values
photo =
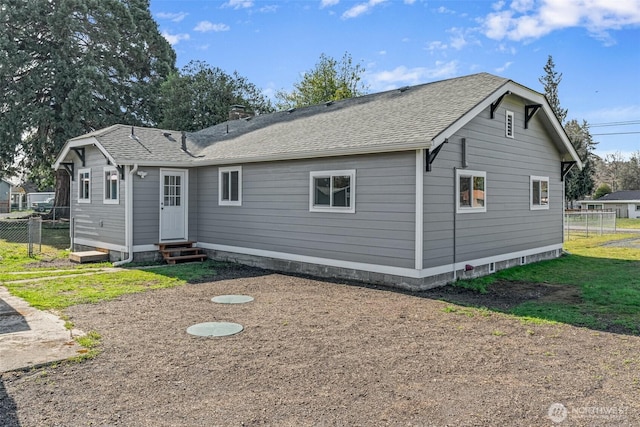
(5, 195)
(411, 187)
(625, 203)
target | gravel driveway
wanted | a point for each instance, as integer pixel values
(321, 353)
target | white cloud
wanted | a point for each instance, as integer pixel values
(208, 27)
(269, 8)
(361, 8)
(382, 52)
(498, 5)
(458, 40)
(613, 114)
(174, 17)
(504, 67)
(402, 76)
(409, 1)
(443, 9)
(436, 45)
(174, 39)
(238, 4)
(328, 3)
(527, 20)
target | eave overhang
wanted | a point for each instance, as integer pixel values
(76, 143)
(559, 136)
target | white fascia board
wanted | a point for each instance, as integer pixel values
(612, 202)
(523, 92)
(82, 143)
(302, 155)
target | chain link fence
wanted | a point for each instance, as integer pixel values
(34, 231)
(588, 223)
(27, 231)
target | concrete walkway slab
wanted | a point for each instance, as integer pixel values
(30, 337)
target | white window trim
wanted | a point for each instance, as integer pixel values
(531, 205)
(509, 114)
(222, 170)
(81, 172)
(106, 201)
(471, 173)
(329, 174)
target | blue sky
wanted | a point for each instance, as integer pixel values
(594, 43)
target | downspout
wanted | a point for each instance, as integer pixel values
(128, 218)
(455, 217)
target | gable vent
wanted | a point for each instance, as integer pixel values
(509, 124)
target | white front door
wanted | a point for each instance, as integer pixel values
(173, 204)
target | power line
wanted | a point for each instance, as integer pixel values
(615, 133)
(625, 123)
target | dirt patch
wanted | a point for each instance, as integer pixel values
(504, 295)
(51, 264)
(633, 242)
(320, 353)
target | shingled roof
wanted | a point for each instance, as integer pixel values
(620, 195)
(125, 145)
(400, 119)
(410, 118)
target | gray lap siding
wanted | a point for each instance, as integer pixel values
(275, 215)
(508, 225)
(97, 221)
(146, 206)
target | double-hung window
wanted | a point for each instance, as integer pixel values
(111, 185)
(84, 186)
(230, 186)
(539, 192)
(333, 191)
(471, 191)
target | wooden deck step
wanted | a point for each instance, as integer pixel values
(174, 259)
(173, 252)
(88, 256)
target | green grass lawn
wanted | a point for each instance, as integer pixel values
(607, 279)
(628, 223)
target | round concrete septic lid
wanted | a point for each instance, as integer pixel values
(215, 329)
(232, 299)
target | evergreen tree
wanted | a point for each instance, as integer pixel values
(70, 66)
(550, 82)
(578, 183)
(329, 80)
(201, 96)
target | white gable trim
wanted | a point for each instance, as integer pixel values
(511, 87)
(82, 143)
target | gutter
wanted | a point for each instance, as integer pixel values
(128, 218)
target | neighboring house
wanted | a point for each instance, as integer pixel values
(626, 204)
(5, 195)
(411, 187)
(18, 198)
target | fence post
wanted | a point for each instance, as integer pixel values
(72, 233)
(29, 237)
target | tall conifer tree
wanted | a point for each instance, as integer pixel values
(70, 66)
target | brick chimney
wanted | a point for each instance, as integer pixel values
(238, 112)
